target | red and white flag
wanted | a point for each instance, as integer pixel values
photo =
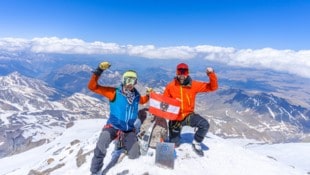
(164, 107)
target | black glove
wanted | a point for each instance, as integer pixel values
(98, 71)
(173, 124)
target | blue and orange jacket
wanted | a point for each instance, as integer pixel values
(122, 113)
(187, 93)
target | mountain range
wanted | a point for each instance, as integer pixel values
(43, 94)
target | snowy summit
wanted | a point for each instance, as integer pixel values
(70, 154)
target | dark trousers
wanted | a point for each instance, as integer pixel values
(193, 120)
(107, 135)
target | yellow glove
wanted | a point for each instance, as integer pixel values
(149, 90)
(104, 65)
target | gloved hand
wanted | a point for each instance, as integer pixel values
(148, 91)
(104, 65)
(209, 70)
(101, 67)
(173, 124)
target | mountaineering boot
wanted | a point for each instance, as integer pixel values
(197, 148)
(97, 173)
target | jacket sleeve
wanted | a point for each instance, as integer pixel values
(212, 85)
(93, 85)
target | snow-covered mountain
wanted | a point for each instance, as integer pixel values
(71, 153)
(42, 96)
(33, 113)
(30, 115)
(235, 113)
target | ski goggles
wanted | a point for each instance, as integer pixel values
(130, 80)
(182, 71)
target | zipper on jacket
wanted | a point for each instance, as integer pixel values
(182, 102)
(181, 92)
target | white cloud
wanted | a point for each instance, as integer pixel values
(295, 62)
(73, 46)
(150, 51)
(14, 44)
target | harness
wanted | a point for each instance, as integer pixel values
(120, 136)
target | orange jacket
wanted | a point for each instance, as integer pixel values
(106, 91)
(187, 94)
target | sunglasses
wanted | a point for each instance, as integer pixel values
(182, 71)
(130, 80)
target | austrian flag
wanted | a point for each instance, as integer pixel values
(164, 107)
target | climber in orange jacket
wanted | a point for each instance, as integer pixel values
(185, 89)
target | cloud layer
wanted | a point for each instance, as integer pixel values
(290, 61)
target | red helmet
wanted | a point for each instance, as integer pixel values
(182, 69)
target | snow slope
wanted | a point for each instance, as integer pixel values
(71, 153)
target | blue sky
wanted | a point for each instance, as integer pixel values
(268, 34)
(242, 24)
